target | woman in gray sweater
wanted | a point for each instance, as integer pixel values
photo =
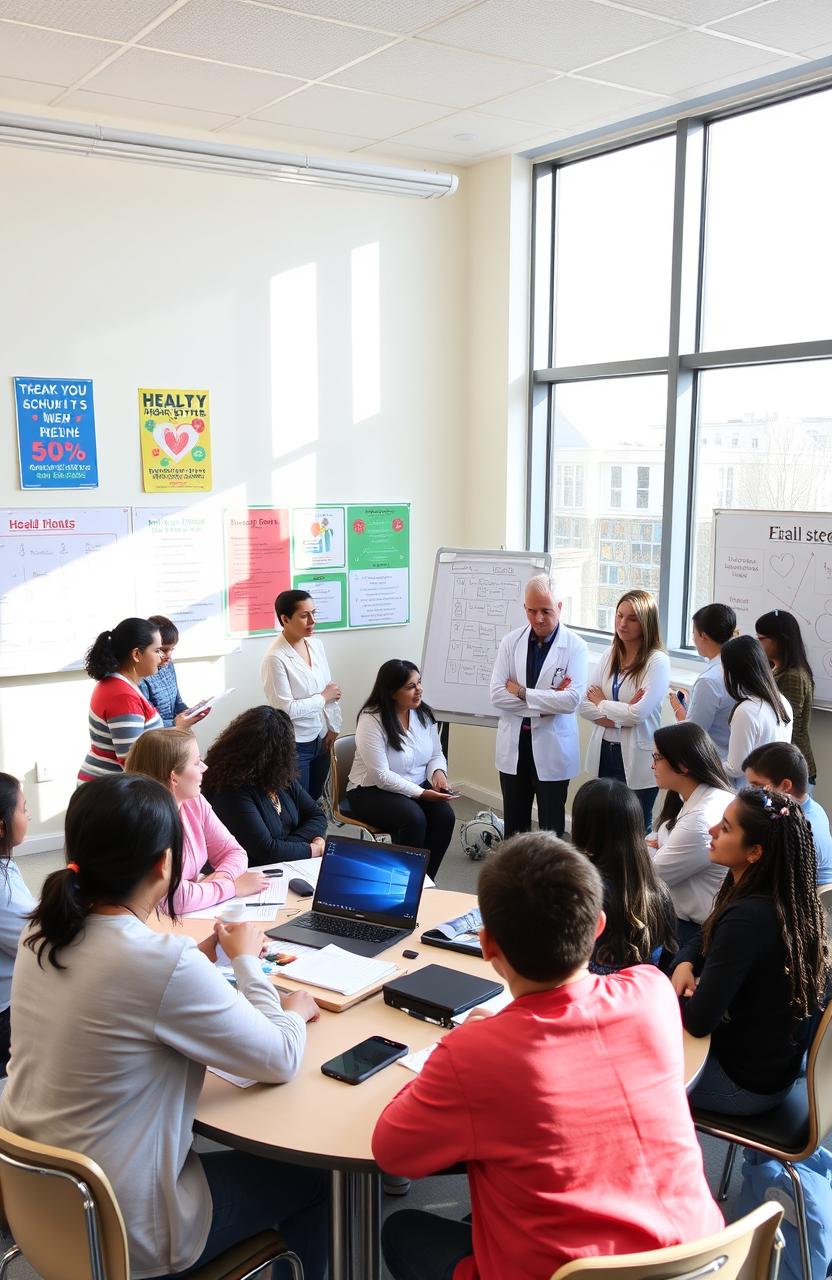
(113, 1025)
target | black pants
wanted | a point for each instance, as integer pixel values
(521, 788)
(612, 766)
(427, 824)
(422, 1246)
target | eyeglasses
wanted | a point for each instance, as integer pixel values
(657, 756)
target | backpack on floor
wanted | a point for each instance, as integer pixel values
(481, 833)
(764, 1179)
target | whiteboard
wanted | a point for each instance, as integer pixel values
(476, 599)
(767, 560)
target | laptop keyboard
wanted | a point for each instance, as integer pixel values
(344, 928)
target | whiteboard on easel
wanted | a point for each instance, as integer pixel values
(476, 599)
(766, 560)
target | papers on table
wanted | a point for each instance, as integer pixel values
(337, 970)
(257, 906)
(239, 1081)
(416, 1060)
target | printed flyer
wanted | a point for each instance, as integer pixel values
(56, 433)
(175, 430)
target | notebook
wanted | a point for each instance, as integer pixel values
(366, 898)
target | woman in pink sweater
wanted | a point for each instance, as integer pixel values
(171, 756)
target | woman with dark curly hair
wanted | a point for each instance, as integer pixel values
(254, 790)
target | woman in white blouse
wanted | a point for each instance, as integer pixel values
(687, 765)
(399, 779)
(624, 699)
(762, 714)
(297, 680)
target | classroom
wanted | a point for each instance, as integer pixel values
(563, 346)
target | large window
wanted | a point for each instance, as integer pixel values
(682, 350)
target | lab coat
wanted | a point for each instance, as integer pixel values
(637, 724)
(555, 744)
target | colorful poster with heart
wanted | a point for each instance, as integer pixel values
(175, 430)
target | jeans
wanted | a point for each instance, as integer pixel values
(716, 1091)
(423, 824)
(423, 1246)
(251, 1194)
(313, 766)
(521, 788)
(612, 766)
(685, 930)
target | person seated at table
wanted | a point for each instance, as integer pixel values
(162, 690)
(687, 766)
(608, 826)
(171, 756)
(762, 714)
(399, 779)
(16, 902)
(253, 788)
(756, 974)
(113, 1024)
(784, 767)
(568, 1105)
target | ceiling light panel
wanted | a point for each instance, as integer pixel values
(254, 36)
(449, 77)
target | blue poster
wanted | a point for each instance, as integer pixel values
(56, 433)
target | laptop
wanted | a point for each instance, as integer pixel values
(366, 898)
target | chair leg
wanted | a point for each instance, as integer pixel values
(802, 1224)
(7, 1258)
(727, 1170)
(295, 1266)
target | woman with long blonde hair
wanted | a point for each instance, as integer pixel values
(624, 699)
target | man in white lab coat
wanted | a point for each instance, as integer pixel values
(539, 678)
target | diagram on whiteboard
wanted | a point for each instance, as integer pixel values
(771, 560)
(480, 620)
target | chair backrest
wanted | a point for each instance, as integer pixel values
(825, 895)
(44, 1190)
(341, 761)
(819, 1081)
(748, 1249)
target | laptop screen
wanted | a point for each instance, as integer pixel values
(365, 878)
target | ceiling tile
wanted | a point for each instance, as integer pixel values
(253, 36)
(28, 53)
(688, 60)
(430, 73)
(696, 12)
(28, 90)
(260, 131)
(374, 115)
(562, 34)
(401, 16)
(188, 82)
(109, 19)
(570, 103)
(795, 25)
(469, 133)
(417, 157)
(102, 105)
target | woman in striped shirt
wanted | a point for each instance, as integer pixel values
(119, 713)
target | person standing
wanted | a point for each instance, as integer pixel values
(162, 690)
(779, 634)
(539, 679)
(297, 680)
(708, 703)
(762, 714)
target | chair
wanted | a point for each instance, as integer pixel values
(746, 1250)
(825, 895)
(65, 1220)
(791, 1132)
(341, 758)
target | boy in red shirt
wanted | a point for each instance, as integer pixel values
(568, 1106)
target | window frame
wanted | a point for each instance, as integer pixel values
(682, 363)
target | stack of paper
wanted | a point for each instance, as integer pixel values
(256, 906)
(338, 970)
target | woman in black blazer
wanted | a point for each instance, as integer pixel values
(253, 789)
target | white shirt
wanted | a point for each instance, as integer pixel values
(108, 1058)
(295, 687)
(378, 764)
(15, 904)
(636, 724)
(754, 724)
(711, 705)
(682, 858)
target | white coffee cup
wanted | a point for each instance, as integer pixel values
(233, 912)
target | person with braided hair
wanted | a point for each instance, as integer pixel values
(756, 975)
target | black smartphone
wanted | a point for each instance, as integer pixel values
(364, 1060)
(272, 872)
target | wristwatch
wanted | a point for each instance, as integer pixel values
(521, 693)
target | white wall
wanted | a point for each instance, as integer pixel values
(137, 276)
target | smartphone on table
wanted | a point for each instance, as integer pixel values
(364, 1060)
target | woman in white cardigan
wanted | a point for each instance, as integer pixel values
(297, 680)
(399, 779)
(625, 697)
(762, 714)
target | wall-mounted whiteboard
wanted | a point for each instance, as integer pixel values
(476, 599)
(767, 560)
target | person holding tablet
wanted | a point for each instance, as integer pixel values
(162, 690)
(624, 699)
(709, 704)
(171, 756)
(113, 1024)
(762, 714)
(779, 634)
(297, 680)
(16, 902)
(399, 779)
(254, 790)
